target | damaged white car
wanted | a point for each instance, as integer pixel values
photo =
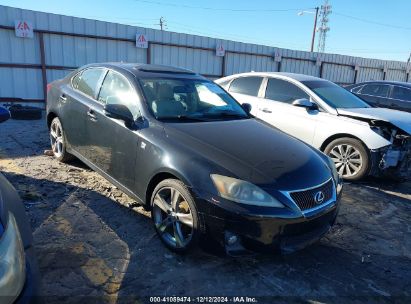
(361, 140)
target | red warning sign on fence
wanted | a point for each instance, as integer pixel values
(220, 51)
(23, 29)
(141, 41)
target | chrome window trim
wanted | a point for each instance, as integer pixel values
(323, 206)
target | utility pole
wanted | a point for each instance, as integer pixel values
(409, 58)
(314, 29)
(323, 28)
(162, 24)
(315, 24)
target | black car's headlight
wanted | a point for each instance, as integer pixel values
(243, 192)
(12, 261)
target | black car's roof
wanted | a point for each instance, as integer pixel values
(143, 69)
(406, 84)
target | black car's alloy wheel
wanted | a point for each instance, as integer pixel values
(174, 215)
(57, 141)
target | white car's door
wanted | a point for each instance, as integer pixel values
(277, 109)
(246, 90)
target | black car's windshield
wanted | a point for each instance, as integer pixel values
(334, 95)
(190, 100)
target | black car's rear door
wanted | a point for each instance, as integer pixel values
(113, 144)
(400, 98)
(75, 99)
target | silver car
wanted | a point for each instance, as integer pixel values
(360, 139)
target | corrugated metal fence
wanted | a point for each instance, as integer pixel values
(63, 43)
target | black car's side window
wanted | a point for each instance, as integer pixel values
(284, 91)
(116, 89)
(246, 85)
(89, 81)
(375, 90)
(401, 93)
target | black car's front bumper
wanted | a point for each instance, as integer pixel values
(261, 228)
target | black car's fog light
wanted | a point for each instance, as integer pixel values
(231, 239)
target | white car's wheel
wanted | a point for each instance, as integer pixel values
(350, 156)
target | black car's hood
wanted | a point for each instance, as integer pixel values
(254, 151)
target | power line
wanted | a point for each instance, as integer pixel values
(217, 8)
(224, 35)
(373, 22)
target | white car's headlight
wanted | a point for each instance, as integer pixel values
(12, 261)
(243, 192)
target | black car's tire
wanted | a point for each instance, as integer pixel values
(58, 141)
(20, 112)
(172, 220)
(351, 157)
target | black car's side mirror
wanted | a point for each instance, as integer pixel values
(305, 103)
(119, 111)
(246, 107)
(4, 114)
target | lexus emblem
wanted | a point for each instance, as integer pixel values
(319, 197)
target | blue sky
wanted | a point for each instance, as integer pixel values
(379, 29)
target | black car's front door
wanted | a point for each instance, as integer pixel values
(114, 146)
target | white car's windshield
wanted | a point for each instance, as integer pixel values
(190, 99)
(334, 95)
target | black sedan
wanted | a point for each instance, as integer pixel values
(19, 276)
(184, 148)
(384, 94)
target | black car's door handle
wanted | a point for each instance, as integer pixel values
(63, 97)
(265, 110)
(90, 113)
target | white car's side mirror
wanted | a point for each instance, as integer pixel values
(305, 103)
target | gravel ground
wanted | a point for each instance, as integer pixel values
(95, 245)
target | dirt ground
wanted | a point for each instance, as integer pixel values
(95, 245)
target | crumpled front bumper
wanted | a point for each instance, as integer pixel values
(392, 161)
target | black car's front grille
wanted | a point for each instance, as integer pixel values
(306, 199)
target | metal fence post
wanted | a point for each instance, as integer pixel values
(148, 52)
(223, 65)
(355, 75)
(321, 69)
(43, 67)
